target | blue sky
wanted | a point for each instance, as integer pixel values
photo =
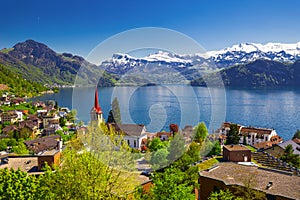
(78, 26)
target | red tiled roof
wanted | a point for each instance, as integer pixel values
(168, 134)
(259, 131)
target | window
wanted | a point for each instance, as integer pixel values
(128, 141)
(134, 143)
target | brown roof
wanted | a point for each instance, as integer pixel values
(259, 131)
(276, 139)
(27, 164)
(263, 145)
(236, 148)
(43, 143)
(234, 174)
(227, 125)
(128, 129)
(168, 134)
(10, 128)
(297, 140)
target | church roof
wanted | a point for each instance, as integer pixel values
(97, 107)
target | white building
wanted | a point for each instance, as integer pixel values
(253, 135)
(132, 133)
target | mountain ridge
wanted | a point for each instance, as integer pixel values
(37, 62)
(257, 74)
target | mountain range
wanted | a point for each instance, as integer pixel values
(37, 62)
(256, 74)
(213, 60)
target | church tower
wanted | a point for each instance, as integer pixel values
(96, 111)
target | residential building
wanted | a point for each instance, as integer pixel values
(163, 136)
(236, 153)
(51, 157)
(273, 185)
(11, 116)
(253, 135)
(48, 120)
(278, 150)
(40, 145)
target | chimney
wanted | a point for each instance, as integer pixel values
(269, 185)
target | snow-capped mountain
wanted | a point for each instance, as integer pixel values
(248, 52)
(188, 64)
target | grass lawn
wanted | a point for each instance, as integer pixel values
(251, 148)
(208, 163)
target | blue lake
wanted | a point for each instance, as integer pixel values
(158, 106)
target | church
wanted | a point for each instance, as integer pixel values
(134, 134)
(96, 111)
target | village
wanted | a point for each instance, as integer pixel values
(35, 133)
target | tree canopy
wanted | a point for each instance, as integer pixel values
(200, 133)
(289, 156)
(297, 134)
(233, 135)
(115, 113)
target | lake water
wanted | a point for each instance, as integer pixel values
(158, 106)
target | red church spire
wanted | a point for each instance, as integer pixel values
(96, 104)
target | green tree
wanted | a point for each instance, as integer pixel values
(233, 135)
(12, 142)
(200, 133)
(223, 195)
(71, 117)
(110, 117)
(25, 133)
(155, 144)
(194, 151)
(18, 185)
(171, 184)
(297, 134)
(3, 145)
(159, 158)
(20, 148)
(244, 140)
(216, 149)
(176, 147)
(115, 113)
(62, 121)
(289, 157)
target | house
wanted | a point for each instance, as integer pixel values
(132, 133)
(253, 135)
(227, 175)
(9, 129)
(18, 101)
(151, 136)
(11, 116)
(236, 153)
(188, 133)
(48, 120)
(297, 140)
(38, 104)
(40, 145)
(163, 136)
(51, 157)
(48, 131)
(31, 127)
(267, 144)
(278, 150)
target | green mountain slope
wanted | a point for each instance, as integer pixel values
(37, 62)
(18, 85)
(258, 74)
